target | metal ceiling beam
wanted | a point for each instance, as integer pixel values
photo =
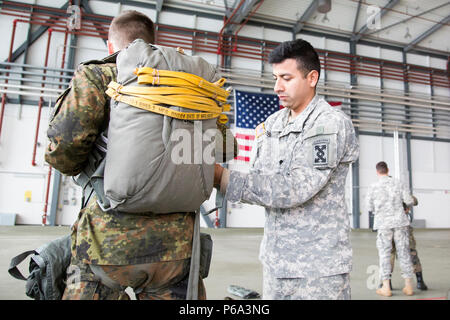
(306, 15)
(355, 23)
(240, 15)
(159, 4)
(427, 33)
(409, 18)
(87, 9)
(356, 37)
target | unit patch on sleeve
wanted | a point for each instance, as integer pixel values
(320, 152)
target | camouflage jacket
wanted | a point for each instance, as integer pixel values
(107, 238)
(385, 199)
(298, 174)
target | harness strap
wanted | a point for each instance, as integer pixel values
(105, 279)
(13, 270)
(194, 271)
(183, 97)
(192, 79)
(143, 104)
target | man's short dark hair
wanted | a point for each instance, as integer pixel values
(300, 50)
(382, 167)
(129, 26)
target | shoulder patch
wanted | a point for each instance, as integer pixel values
(320, 153)
(180, 50)
(260, 130)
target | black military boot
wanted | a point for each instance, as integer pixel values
(420, 283)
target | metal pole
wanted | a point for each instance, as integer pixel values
(396, 155)
(408, 134)
(355, 166)
(57, 174)
(55, 197)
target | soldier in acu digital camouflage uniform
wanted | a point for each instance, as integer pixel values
(147, 252)
(301, 160)
(385, 199)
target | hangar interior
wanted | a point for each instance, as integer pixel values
(385, 63)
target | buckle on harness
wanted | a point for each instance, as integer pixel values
(155, 74)
(105, 208)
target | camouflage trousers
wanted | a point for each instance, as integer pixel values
(384, 245)
(412, 250)
(166, 280)
(336, 287)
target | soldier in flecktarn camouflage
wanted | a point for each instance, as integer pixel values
(385, 199)
(301, 159)
(147, 252)
(417, 265)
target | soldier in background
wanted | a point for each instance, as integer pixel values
(302, 156)
(147, 252)
(414, 255)
(385, 199)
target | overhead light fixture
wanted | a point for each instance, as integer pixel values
(323, 6)
(407, 35)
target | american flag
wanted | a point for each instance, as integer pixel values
(251, 109)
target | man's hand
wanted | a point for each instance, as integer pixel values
(218, 170)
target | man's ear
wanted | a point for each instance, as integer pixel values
(110, 47)
(313, 78)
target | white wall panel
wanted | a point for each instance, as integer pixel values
(245, 215)
(391, 55)
(17, 175)
(335, 76)
(284, 8)
(335, 45)
(250, 31)
(368, 81)
(69, 202)
(277, 35)
(393, 84)
(48, 3)
(112, 9)
(316, 42)
(367, 51)
(243, 63)
(438, 63)
(205, 24)
(441, 153)
(89, 48)
(417, 88)
(420, 60)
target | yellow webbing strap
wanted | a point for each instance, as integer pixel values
(183, 90)
(143, 104)
(146, 73)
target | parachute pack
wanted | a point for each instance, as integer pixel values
(162, 134)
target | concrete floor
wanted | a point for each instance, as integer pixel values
(235, 261)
